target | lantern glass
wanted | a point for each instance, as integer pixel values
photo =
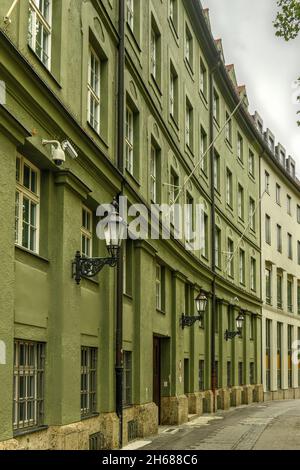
(114, 232)
(201, 302)
(239, 321)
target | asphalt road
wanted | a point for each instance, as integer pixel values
(261, 426)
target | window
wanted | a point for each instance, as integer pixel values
(240, 147)
(253, 274)
(298, 220)
(252, 214)
(252, 373)
(279, 359)
(203, 150)
(268, 229)
(290, 354)
(188, 47)
(290, 246)
(189, 218)
(229, 381)
(86, 232)
(230, 254)
(160, 285)
(130, 13)
(155, 52)
(268, 277)
(173, 13)
(279, 290)
(127, 377)
(94, 90)
(28, 384)
(242, 267)
(289, 204)
(154, 174)
(201, 376)
(27, 205)
(88, 390)
(216, 106)
(268, 354)
(228, 128)
(129, 132)
(252, 327)
(229, 189)
(216, 171)
(203, 79)
(189, 125)
(290, 294)
(251, 163)
(173, 93)
(267, 182)
(240, 374)
(218, 249)
(298, 300)
(278, 191)
(174, 187)
(204, 219)
(240, 202)
(39, 29)
(298, 252)
(279, 238)
(271, 144)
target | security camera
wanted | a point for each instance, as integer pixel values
(58, 155)
(69, 149)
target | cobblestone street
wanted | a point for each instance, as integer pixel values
(266, 426)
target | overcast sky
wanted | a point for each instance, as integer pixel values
(267, 65)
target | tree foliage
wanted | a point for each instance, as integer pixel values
(287, 23)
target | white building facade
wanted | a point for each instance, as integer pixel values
(280, 237)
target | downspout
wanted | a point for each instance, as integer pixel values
(213, 242)
(120, 163)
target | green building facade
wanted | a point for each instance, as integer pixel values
(60, 80)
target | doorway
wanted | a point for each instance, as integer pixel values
(157, 373)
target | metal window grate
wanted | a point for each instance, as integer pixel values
(132, 430)
(96, 441)
(88, 393)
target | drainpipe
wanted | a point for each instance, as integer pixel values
(120, 161)
(213, 232)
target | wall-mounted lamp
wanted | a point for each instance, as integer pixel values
(201, 303)
(239, 325)
(113, 232)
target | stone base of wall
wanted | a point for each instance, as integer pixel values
(258, 393)
(247, 395)
(236, 396)
(174, 410)
(146, 417)
(287, 394)
(73, 436)
(196, 403)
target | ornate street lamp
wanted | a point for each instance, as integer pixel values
(201, 303)
(113, 233)
(239, 325)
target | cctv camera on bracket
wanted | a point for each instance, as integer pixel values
(58, 155)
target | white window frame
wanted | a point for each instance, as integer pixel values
(172, 93)
(36, 17)
(87, 233)
(94, 90)
(203, 79)
(153, 173)
(158, 286)
(130, 13)
(34, 198)
(188, 120)
(153, 53)
(230, 254)
(229, 188)
(252, 213)
(242, 266)
(129, 132)
(240, 147)
(253, 274)
(251, 163)
(241, 202)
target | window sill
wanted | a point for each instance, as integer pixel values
(97, 134)
(43, 66)
(240, 162)
(174, 31)
(174, 123)
(156, 87)
(25, 431)
(133, 178)
(128, 296)
(189, 68)
(203, 99)
(132, 37)
(252, 177)
(31, 253)
(229, 145)
(216, 123)
(161, 312)
(90, 416)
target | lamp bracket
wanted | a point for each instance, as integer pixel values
(187, 320)
(232, 334)
(90, 267)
